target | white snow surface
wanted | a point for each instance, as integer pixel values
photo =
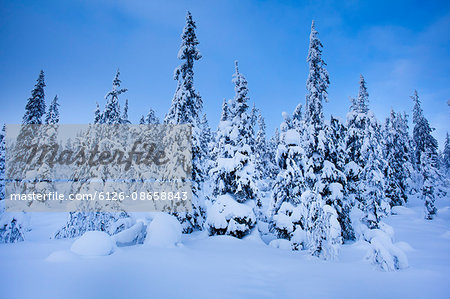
(93, 243)
(164, 231)
(226, 267)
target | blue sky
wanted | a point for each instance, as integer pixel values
(398, 46)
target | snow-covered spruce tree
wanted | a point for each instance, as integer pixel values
(422, 138)
(151, 117)
(186, 109)
(429, 173)
(396, 152)
(206, 141)
(365, 160)
(445, 163)
(286, 209)
(425, 145)
(264, 165)
(321, 176)
(35, 108)
(12, 225)
(79, 222)
(335, 193)
(253, 124)
(308, 178)
(124, 119)
(234, 175)
(52, 116)
(98, 118)
(111, 114)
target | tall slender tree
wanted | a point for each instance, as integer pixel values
(186, 108)
(35, 108)
(52, 116)
(111, 114)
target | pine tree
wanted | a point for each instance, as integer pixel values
(142, 120)
(322, 179)
(35, 108)
(445, 164)
(186, 108)
(365, 160)
(234, 174)
(318, 80)
(12, 225)
(286, 209)
(98, 117)
(396, 153)
(81, 221)
(125, 113)
(111, 114)
(426, 148)
(422, 138)
(429, 174)
(271, 151)
(335, 192)
(152, 118)
(52, 116)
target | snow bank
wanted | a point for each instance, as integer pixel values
(131, 236)
(383, 252)
(61, 256)
(164, 231)
(93, 243)
(281, 244)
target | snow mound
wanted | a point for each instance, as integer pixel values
(61, 256)
(164, 231)
(383, 252)
(93, 243)
(281, 244)
(131, 236)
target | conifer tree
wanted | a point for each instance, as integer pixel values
(151, 117)
(186, 108)
(445, 164)
(426, 149)
(97, 115)
(52, 116)
(396, 152)
(35, 108)
(125, 113)
(234, 174)
(111, 114)
(365, 160)
(422, 138)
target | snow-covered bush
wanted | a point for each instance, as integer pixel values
(12, 227)
(383, 253)
(93, 243)
(131, 236)
(80, 222)
(228, 217)
(164, 231)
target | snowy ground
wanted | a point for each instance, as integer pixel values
(225, 267)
